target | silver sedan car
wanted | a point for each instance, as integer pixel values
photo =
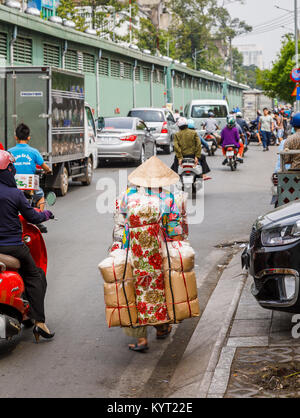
(123, 138)
(163, 120)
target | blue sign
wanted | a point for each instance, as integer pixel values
(298, 93)
(295, 75)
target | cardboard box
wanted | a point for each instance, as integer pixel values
(27, 181)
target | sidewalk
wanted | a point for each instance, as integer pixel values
(195, 371)
(238, 348)
(259, 358)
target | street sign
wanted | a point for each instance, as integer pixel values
(295, 75)
(294, 94)
(298, 93)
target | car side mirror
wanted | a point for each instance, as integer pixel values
(100, 122)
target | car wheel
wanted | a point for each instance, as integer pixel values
(142, 158)
(169, 148)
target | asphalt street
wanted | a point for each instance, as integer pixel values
(86, 359)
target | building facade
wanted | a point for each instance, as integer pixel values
(252, 54)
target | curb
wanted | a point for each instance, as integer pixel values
(215, 356)
(194, 374)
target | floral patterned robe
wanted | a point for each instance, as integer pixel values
(151, 218)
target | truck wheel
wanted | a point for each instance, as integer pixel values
(88, 173)
(64, 183)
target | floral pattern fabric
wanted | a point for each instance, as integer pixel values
(151, 217)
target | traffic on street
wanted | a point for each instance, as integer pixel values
(149, 203)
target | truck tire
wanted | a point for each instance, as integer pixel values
(64, 183)
(88, 173)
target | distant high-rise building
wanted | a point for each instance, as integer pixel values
(252, 54)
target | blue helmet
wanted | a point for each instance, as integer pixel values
(296, 121)
(191, 124)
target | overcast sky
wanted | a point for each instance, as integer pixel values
(259, 12)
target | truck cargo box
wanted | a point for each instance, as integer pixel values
(51, 102)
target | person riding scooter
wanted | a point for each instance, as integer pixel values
(230, 136)
(186, 144)
(13, 202)
(27, 158)
(244, 127)
(211, 126)
(203, 163)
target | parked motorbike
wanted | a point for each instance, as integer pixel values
(190, 176)
(253, 133)
(231, 157)
(13, 304)
(212, 141)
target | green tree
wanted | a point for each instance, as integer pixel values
(67, 10)
(276, 82)
(102, 11)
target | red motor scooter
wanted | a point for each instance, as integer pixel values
(13, 304)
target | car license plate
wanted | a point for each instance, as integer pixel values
(188, 179)
(230, 153)
(109, 141)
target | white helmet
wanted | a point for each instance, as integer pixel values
(239, 115)
(182, 122)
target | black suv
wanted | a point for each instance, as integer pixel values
(273, 258)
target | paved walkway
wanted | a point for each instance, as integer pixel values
(260, 358)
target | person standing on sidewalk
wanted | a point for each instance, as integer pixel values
(280, 128)
(293, 143)
(266, 126)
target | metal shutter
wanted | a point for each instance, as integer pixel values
(127, 71)
(22, 51)
(3, 45)
(51, 55)
(71, 61)
(115, 68)
(88, 63)
(103, 66)
(138, 73)
(146, 74)
(162, 77)
(80, 61)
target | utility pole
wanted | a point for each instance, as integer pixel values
(231, 57)
(296, 47)
(130, 21)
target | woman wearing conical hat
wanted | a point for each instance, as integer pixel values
(151, 218)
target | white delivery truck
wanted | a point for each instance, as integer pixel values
(254, 100)
(52, 103)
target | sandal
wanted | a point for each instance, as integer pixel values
(165, 334)
(139, 348)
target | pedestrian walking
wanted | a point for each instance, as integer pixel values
(280, 128)
(266, 126)
(151, 223)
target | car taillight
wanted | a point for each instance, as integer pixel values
(130, 138)
(164, 128)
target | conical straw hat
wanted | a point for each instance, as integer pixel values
(153, 173)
